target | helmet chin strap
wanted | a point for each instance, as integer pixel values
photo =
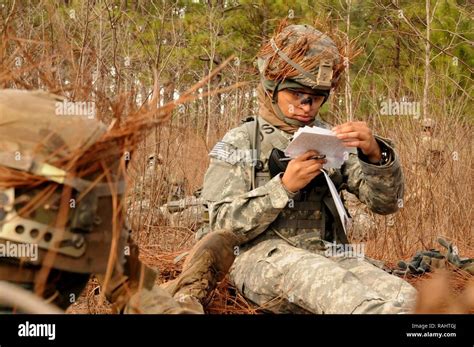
(279, 113)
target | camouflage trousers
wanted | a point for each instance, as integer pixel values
(285, 279)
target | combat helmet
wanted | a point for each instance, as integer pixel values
(299, 56)
(56, 193)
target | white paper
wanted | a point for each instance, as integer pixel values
(324, 141)
(345, 220)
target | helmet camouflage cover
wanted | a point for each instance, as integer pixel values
(37, 148)
(302, 54)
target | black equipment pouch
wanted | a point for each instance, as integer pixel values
(275, 165)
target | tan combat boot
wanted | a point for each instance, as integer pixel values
(206, 265)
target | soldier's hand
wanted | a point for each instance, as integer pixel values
(301, 170)
(358, 134)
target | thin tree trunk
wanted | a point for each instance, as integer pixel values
(427, 61)
(348, 89)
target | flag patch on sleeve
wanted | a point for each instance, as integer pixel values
(225, 151)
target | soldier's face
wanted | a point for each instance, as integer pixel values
(299, 104)
(428, 131)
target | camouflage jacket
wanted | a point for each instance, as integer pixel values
(256, 213)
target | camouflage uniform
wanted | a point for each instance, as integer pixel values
(283, 263)
(432, 157)
(269, 267)
(363, 225)
(432, 149)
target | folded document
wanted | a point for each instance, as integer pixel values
(324, 141)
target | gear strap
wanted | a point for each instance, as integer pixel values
(254, 127)
(294, 64)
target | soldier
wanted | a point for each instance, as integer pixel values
(432, 148)
(286, 216)
(61, 220)
(430, 163)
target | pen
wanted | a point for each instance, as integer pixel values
(322, 156)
